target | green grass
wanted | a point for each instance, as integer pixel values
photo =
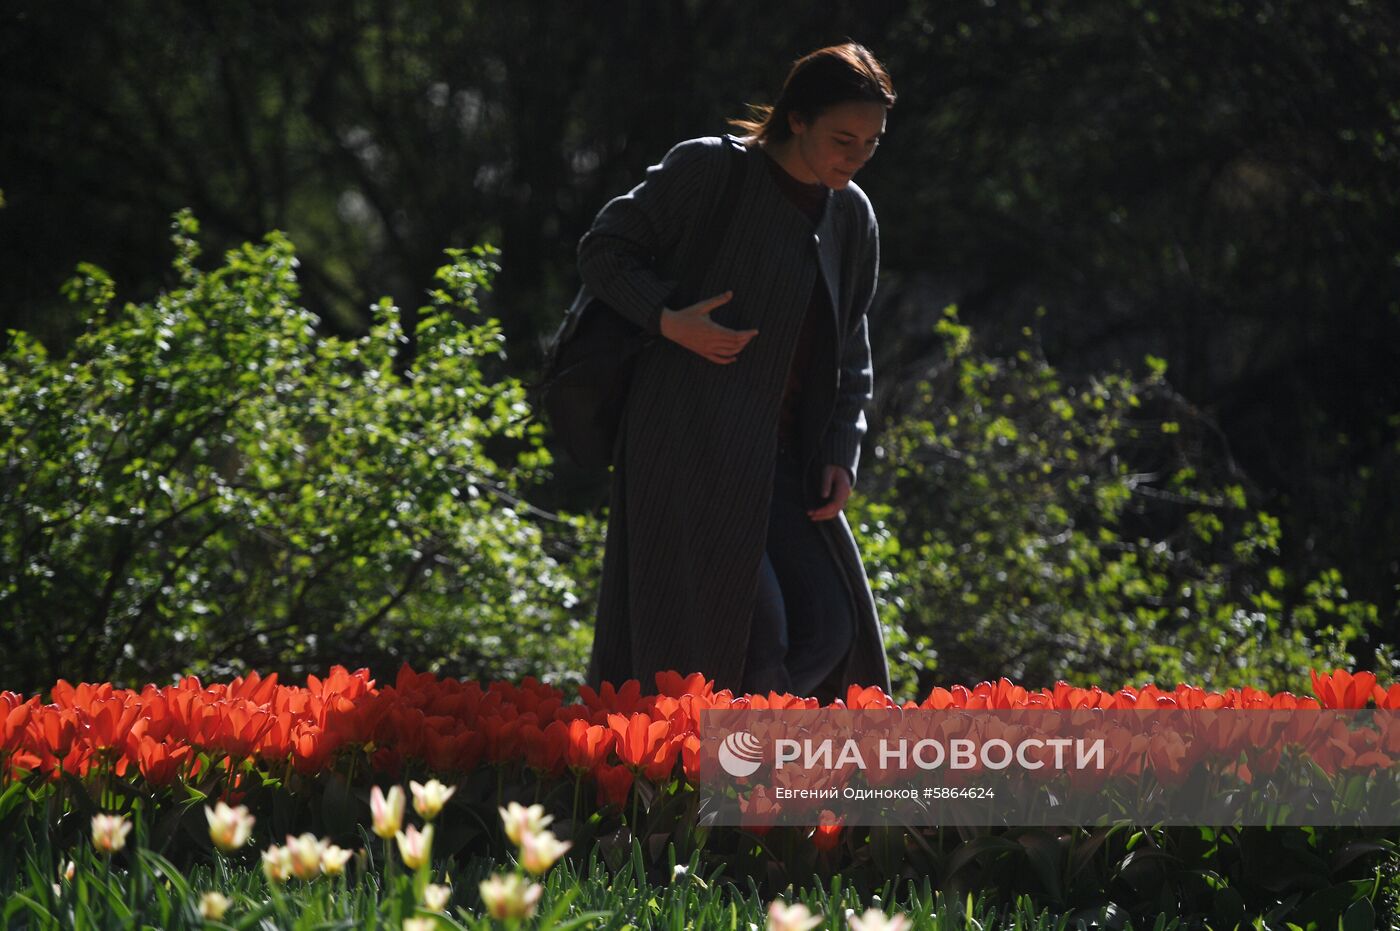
(140, 889)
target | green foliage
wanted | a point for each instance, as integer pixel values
(204, 482)
(1085, 532)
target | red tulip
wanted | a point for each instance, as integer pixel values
(858, 698)
(14, 719)
(614, 784)
(672, 684)
(827, 834)
(59, 727)
(588, 745)
(1341, 689)
(756, 809)
(160, 763)
(626, 700)
(545, 749)
(639, 738)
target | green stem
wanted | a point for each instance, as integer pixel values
(106, 881)
(632, 824)
(578, 790)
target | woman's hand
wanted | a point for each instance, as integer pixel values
(692, 328)
(836, 488)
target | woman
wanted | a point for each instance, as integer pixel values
(727, 551)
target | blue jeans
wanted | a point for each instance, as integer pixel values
(803, 620)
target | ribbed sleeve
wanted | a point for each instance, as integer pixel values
(840, 445)
(625, 256)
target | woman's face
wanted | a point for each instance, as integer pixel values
(839, 142)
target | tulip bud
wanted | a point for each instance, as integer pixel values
(539, 851)
(229, 828)
(508, 896)
(387, 811)
(305, 852)
(520, 820)
(876, 920)
(415, 846)
(784, 917)
(429, 799)
(333, 859)
(109, 833)
(213, 905)
(681, 871)
(419, 924)
(277, 864)
(436, 897)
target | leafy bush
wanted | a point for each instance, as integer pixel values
(204, 483)
(1087, 532)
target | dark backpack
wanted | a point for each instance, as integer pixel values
(589, 363)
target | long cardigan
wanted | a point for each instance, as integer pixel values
(693, 477)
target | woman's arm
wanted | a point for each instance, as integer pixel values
(620, 257)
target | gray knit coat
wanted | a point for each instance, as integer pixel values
(693, 477)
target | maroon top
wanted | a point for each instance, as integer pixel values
(811, 200)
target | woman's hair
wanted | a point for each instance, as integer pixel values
(820, 80)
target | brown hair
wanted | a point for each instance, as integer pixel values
(820, 80)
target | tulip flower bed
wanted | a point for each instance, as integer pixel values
(615, 770)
